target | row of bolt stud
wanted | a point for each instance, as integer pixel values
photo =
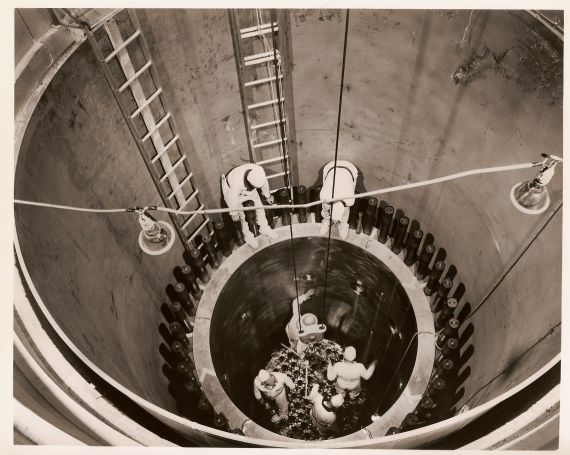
(392, 226)
(184, 297)
(405, 237)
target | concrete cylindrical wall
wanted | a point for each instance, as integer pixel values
(403, 120)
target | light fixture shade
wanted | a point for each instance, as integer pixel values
(156, 237)
(530, 198)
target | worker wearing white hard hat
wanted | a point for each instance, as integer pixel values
(345, 178)
(271, 386)
(240, 185)
(292, 328)
(323, 413)
(348, 373)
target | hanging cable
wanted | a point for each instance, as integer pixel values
(285, 164)
(381, 402)
(324, 310)
(458, 175)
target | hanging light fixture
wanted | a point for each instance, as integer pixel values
(156, 237)
(531, 196)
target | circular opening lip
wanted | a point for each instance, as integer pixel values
(408, 398)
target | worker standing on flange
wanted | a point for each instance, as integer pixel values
(241, 184)
(271, 386)
(348, 373)
(323, 413)
(344, 185)
(293, 327)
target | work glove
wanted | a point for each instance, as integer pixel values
(270, 200)
(235, 217)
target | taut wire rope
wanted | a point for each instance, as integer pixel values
(324, 309)
(447, 178)
(287, 179)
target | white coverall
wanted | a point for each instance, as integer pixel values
(276, 393)
(236, 193)
(322, 418)
(293, 327)
(345, 183)
(348, 376)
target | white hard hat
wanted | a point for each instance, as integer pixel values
(257, 177)
(350, 354)
(337, 211)
(263, 376)
(337, 401)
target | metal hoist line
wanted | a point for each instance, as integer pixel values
(156, 136)
(260, 79)
(324, 309)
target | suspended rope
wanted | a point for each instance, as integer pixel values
(288, 181)
(458, 175)
(381, 402)
(324, 310)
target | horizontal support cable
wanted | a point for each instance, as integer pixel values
(447, 178)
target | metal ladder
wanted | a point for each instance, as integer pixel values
(260, 64)
(139, 94)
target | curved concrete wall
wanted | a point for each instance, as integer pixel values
(403, 120)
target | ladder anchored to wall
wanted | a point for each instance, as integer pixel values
(260, 63)
(130, 72)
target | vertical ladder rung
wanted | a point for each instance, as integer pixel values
(272, 160)
(263, 125)
(149, 100)
(180, 185)
(173, 168)
(156, 127)
(204, 223)
(265, 103)
(135, 76)
(163, 151)
(189, 220)
(262, 81)
(272, 176)
(273, 142)
(192, 196)
(122, 46)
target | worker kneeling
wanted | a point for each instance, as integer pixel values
(323, 413)
(240, 185)
(271, 386)
(344, 178)
(348, 373)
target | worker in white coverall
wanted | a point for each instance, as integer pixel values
(344, 185)
(271, 386)
(323, 413)
(240, 185)
(348, 373)
(292, 328)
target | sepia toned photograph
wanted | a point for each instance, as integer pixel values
(287, 228)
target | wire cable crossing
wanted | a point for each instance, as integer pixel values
(447, 178)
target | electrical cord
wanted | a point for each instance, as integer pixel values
(458, 175)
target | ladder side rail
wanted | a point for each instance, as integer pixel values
(236, 37)
(172, 123)
(132, 128)
(138, 94)
(284, 44)
(282, 126)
